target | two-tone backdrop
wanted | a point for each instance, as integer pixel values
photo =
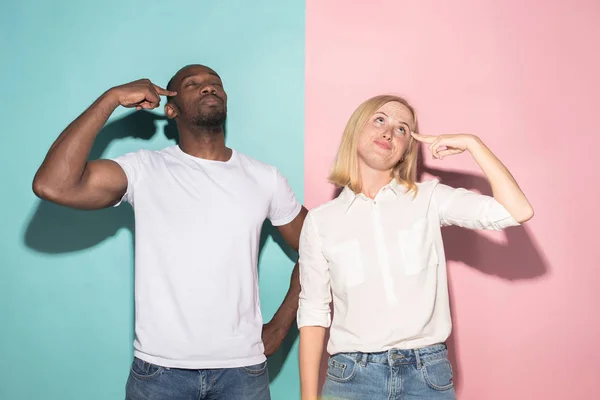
(520, 74)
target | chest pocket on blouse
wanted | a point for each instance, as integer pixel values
(347, 267)
(417, 248)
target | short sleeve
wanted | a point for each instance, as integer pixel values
(284, 206)
(315, 294)
(471, 210)
(131, 165)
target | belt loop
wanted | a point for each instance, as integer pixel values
(418, 358)
(364, 357)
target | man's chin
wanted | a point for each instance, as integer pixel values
(209, 110)
(213, 119)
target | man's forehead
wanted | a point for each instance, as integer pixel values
(191, 70)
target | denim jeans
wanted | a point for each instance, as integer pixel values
(395, 374)
(152, 382)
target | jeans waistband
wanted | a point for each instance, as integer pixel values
(400, 356)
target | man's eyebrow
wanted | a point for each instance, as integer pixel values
(195, 73)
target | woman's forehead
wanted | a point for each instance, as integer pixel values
(396, 110)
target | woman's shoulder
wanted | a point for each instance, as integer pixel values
(324, 208)
(431, 183)
(331, 208)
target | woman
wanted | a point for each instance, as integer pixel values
(376, 251)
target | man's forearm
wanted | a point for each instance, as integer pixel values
(64, 164)
(286, 313)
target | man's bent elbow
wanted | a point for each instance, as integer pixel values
(48, 192)
(42, 190)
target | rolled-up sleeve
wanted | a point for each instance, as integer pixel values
(315, 294)
(471, 210)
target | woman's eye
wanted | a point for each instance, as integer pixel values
(379, 120)
(402, 130)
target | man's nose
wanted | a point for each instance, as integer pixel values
(208, 89)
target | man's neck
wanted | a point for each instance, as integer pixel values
(204, 142)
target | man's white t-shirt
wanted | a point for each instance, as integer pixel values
(197, 232)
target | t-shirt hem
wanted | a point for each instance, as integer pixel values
(200, 364)
(289, 218)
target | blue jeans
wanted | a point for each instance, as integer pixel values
(152, 382)
(395, 374)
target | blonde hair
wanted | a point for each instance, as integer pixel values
(345, 166)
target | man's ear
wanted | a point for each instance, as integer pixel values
(171, 110)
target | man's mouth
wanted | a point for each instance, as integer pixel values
(211, 99)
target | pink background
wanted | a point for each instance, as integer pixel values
(524, 76)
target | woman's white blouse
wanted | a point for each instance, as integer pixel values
(382, 263)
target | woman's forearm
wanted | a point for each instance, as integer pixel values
(504, 186)
(311, 349)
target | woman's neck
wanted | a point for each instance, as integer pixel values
(373, 180)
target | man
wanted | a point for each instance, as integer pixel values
(199, 208)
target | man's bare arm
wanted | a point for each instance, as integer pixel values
(274, 332)
(67, 177)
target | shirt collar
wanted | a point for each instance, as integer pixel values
(348, 196)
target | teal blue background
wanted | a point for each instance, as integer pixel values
(66, 277)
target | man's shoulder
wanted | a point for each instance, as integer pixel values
(148, 154)
(254, 164)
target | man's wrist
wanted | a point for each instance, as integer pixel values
(110, 98)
